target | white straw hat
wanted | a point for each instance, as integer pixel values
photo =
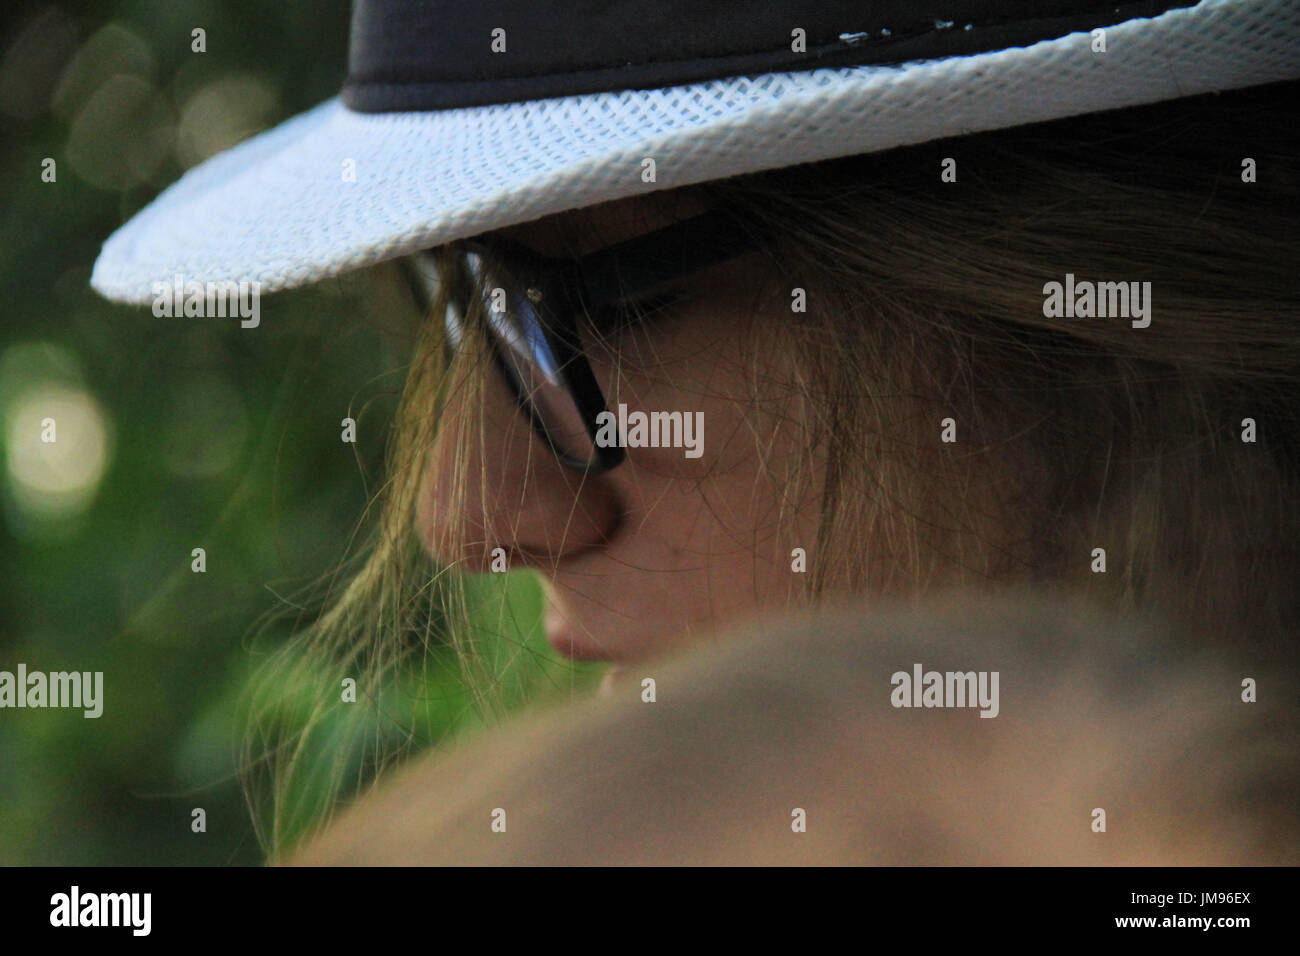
(450, 126)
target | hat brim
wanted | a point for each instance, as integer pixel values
(334, 190)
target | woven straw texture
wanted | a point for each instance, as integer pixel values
(276, 209)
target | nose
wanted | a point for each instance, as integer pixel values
(492, 482)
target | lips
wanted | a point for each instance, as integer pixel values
(564, 637)
(612, 681)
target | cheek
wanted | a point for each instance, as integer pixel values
(750, 497)
(701, 364)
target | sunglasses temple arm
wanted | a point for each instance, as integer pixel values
(629, 267)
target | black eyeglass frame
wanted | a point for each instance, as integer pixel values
(564, 290)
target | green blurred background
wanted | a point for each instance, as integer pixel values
(173, 433)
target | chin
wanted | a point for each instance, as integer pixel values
(606, 637)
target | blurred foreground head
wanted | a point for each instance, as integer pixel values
(1113, 744)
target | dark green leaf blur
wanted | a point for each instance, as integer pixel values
(172, 433)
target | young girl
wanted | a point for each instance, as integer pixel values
(1016, 404)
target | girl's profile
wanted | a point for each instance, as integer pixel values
(901, 409)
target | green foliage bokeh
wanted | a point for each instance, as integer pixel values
(212, 436)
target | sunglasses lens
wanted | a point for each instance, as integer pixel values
(515, 317)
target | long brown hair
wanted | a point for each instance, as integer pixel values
(925, 303)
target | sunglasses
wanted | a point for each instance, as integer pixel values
(535, 309)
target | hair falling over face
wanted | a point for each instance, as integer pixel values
(927, 304)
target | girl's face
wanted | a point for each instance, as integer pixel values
(665, 545)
